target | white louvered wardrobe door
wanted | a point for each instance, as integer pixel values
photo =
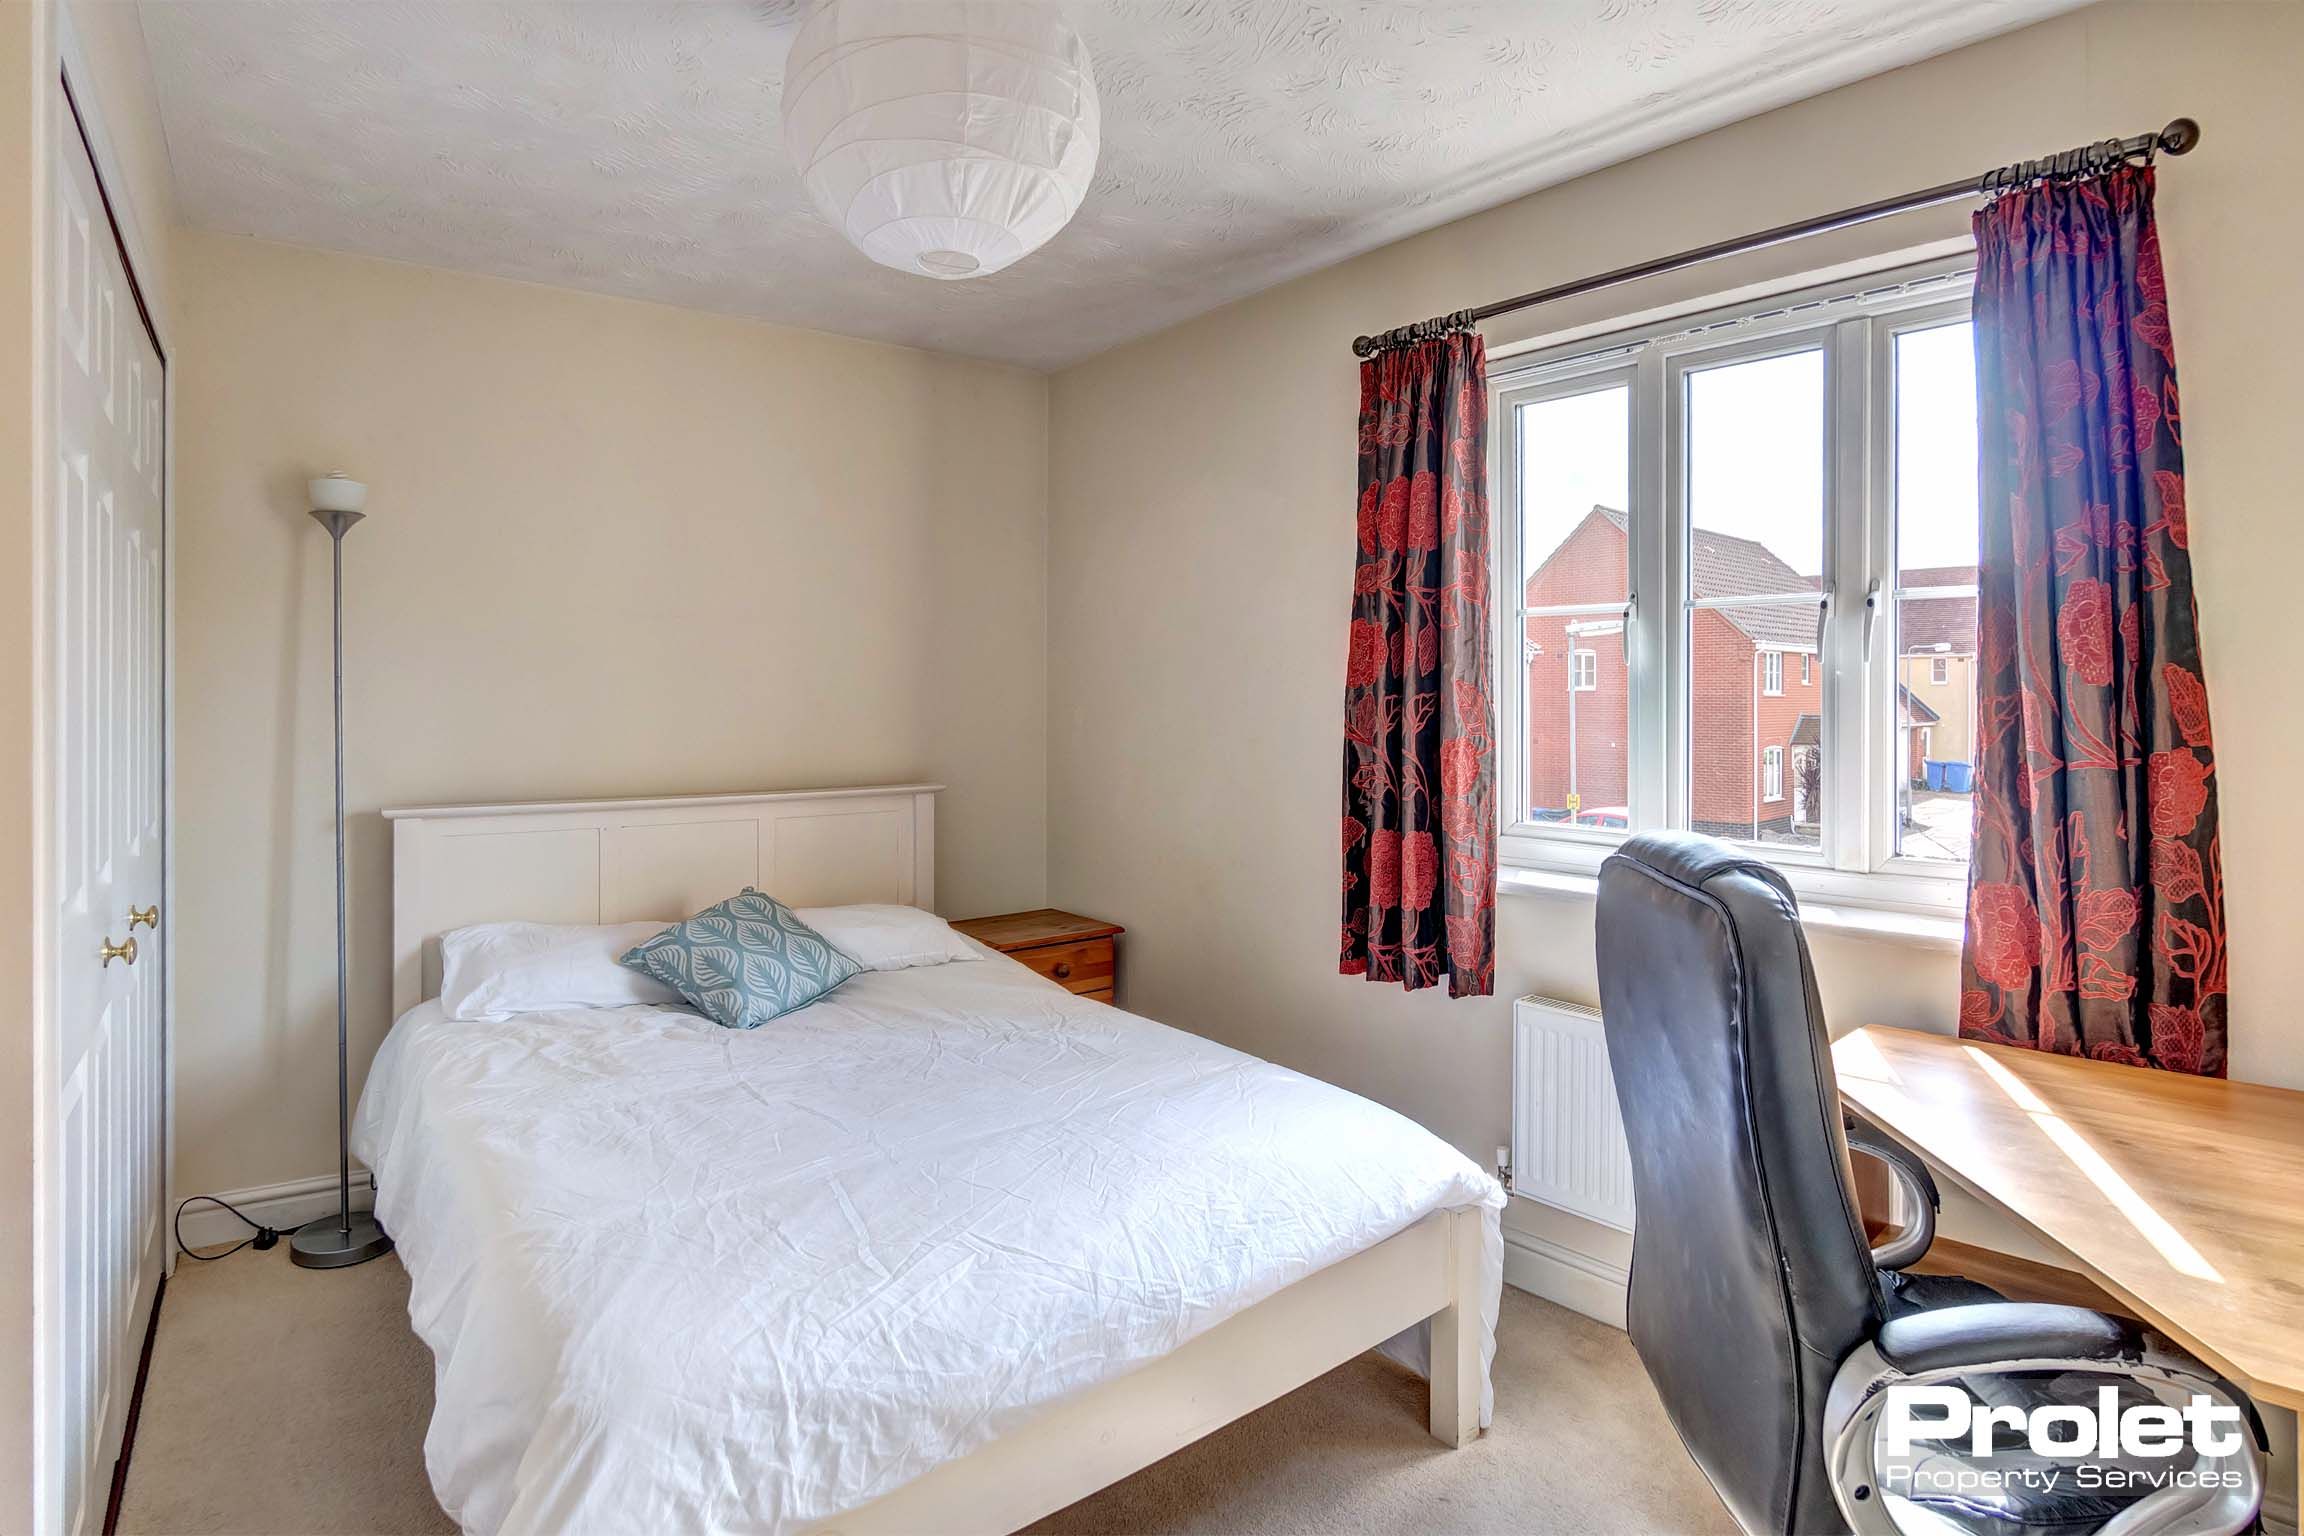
(102, 1250)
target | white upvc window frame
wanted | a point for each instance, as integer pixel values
(1771, 673)
(1854, 322)
(1939, 670)
(1771, 773)
(1583, 670)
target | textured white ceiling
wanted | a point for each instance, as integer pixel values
(633, 148)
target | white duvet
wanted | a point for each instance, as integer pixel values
(683, 1278)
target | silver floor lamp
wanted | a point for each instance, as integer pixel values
(349, 1236)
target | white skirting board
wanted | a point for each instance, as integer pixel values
(1576, 1281)
(279, 1206)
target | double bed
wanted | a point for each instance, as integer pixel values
(944, 1251)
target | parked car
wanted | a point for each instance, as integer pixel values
(1613, 817)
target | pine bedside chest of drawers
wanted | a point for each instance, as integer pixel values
(1075, 952)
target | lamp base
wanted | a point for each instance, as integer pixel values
(322, 1243)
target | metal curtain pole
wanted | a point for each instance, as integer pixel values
(2178, 138)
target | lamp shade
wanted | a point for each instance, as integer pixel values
(336, 491)
(945, 138)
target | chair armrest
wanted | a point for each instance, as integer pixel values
(1909, 1245)
(1951, 1338)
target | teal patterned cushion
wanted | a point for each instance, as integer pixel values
(744, 961)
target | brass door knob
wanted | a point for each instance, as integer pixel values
(1063, 969)
(149, 917)
(124, 950)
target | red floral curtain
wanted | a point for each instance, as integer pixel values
(1419, 729)
(2096, 896)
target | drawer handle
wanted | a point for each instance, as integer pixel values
(1063, 970)
(124, 950)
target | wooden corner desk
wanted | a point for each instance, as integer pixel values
(2183, 1197)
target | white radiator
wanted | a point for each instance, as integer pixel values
(1567, 1134)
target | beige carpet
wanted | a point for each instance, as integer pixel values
(284, 1402)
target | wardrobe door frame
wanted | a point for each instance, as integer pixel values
(76, 80)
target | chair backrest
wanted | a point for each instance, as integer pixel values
(1751, 1279)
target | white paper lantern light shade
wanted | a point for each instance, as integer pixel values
(945, 138)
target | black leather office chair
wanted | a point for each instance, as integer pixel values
(1768, 1325)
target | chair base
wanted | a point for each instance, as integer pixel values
(2191, 1493)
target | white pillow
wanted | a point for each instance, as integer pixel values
(887, 938)
(495, 970)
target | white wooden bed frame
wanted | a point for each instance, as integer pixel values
(608, 861)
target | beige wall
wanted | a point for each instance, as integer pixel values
(1200, 532)
(106, 41)
(613, 548)
(26, 51)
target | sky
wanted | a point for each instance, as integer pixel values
(1756, 454)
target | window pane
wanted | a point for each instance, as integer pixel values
(1756, 728)
(1935, 548)
(1575, 454)
(1936, 454)
(1577, 723)
(1575, 467)
(1755, 465)
(1755, 495)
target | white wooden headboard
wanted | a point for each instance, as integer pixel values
(619, 861)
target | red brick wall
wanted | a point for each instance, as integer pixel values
(1725, 754)
(1601, 717)
(1589, 567)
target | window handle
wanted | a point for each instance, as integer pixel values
(1871, 613)
(1823, 612)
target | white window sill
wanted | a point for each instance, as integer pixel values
(1914, 929)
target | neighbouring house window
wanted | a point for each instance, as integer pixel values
(1684, 504)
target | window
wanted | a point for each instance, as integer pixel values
(1931, 365)
(1683, 504)
(1573, 442)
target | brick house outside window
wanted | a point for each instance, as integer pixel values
(1729, 699)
